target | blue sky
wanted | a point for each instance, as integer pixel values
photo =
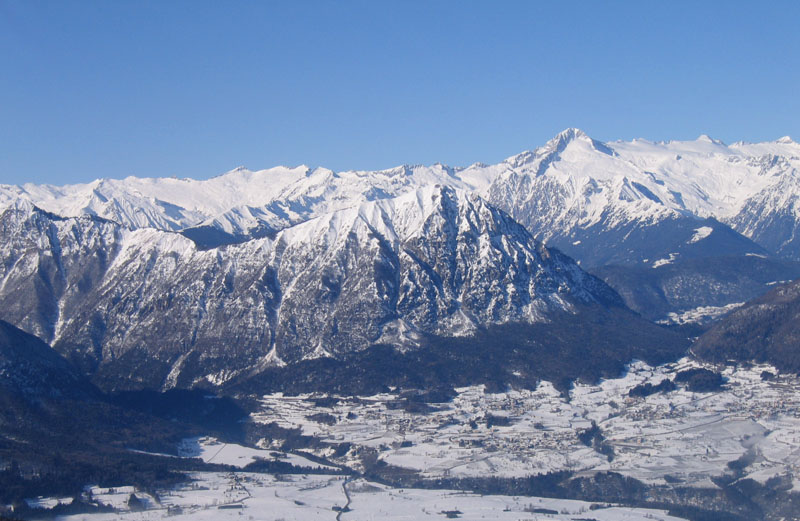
(193, 89)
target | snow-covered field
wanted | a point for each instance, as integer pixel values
(212, 496)
(687, 437)
(211, 450)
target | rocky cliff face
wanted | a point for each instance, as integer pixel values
(770, 217)
(49, 264)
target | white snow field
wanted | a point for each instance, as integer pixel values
(211, 450)
(213, 496)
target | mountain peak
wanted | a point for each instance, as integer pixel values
(705, 138)
(573, 132)
(21, 205)
(785, 140)
(574, 135)
(552, 150)
(568, 135)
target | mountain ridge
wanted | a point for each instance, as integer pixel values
(154, 307)
(701, 178)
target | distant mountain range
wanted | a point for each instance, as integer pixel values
(168, 282)
(571, 185)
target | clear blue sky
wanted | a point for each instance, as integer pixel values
(116, 88)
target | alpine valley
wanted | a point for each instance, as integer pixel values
(586, 330)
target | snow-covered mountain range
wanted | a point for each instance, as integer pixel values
(570, 184)
(432, 261)
(257, 269)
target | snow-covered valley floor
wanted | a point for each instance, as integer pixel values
(685, 436)
(748, 430)
(213, 496)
